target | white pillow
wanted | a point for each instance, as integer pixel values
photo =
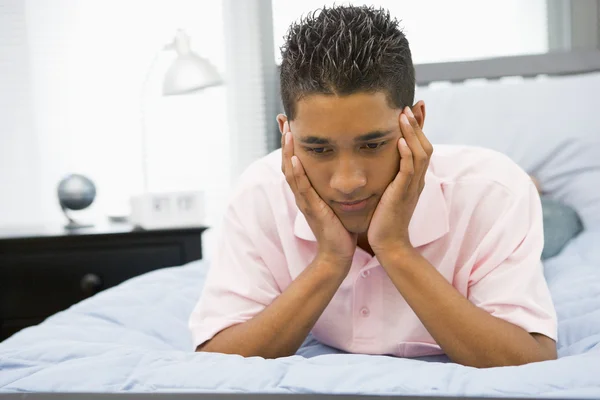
(549, 126)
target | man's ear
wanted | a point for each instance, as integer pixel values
(281, 120)
(419, 111)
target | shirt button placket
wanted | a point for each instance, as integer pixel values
(363, 328)
(365, 312)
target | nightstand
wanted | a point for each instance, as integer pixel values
(45, 270)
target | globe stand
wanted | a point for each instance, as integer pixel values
(75, 192)
(73, 225)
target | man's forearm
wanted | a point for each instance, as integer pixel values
(467, 334)
(280, 329)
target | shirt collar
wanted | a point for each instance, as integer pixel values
(429, 221)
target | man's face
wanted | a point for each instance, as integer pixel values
(349, 149)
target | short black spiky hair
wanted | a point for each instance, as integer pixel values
(344, 50)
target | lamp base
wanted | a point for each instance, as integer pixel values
(168, 209)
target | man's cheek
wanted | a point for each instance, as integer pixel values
(315, 177)
(391, 166)
(304, 160)
(308, 166)
(393, 158)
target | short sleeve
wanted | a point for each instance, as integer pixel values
(507, 279)
(239, 285)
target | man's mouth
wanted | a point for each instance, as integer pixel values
(352, 206)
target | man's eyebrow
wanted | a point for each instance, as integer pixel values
(372, 136)
(313, 140)
(362, 138)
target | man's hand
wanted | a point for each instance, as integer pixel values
(336, 244)
(388, 230)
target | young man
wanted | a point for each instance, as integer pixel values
(359, 232)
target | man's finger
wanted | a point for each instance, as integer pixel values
(286, 128)
(407, 170)
(293, 173)
(288, 152)
(309, 197)
(427, 146)
(409, 128)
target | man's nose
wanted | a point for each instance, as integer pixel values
(348, 177)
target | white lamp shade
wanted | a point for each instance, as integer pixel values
(189, 73)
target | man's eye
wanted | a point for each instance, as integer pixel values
(374, 146)
(318, 150)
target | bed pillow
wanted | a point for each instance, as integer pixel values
(549, 126)
(561, 224)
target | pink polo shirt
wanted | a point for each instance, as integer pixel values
(478, 221)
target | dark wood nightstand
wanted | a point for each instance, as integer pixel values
(43, 271)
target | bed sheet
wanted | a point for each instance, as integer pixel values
(134, 337)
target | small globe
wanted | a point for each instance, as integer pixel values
(76, 192)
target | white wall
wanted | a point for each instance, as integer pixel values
(19, 159)
(71, 95)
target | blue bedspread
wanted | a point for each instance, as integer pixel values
(134, 338)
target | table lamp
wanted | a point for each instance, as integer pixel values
(188, 73)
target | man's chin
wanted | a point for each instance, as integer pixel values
(357, 230)
(356, 225)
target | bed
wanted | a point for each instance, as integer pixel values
(134, 337)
